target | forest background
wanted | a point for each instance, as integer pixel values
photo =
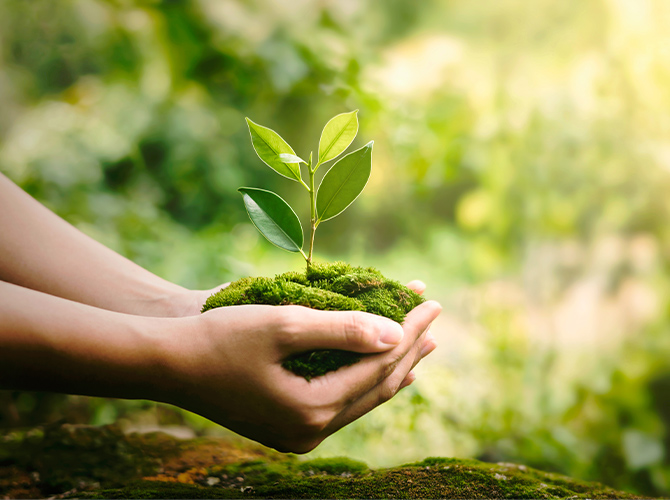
(521, 169)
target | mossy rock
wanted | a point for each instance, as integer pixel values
(328, 287)
(102, 462)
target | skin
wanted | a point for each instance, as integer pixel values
(78, 318)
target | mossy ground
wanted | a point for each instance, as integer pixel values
(101, 462)
(329, 287)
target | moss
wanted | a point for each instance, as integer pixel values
(344, 478)
(338, 466)
(65, 456)
(316, 363)
(102, 462)
(153, 489)
(330, 287)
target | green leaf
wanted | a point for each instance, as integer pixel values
(274, 218)
(289, 158)
(337, 135)
(268, 145)
(344, 182)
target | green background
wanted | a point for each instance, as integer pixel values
(521, 169)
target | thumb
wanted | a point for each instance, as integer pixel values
(310, 329)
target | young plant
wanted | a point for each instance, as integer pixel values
(339, 187)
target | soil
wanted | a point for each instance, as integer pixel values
(68, 461)
(330, 287)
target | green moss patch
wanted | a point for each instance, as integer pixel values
(102, 462)
(63, 457)
(329, 287)
(451, 479)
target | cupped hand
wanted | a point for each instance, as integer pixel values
(227, 367)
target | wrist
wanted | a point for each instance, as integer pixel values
(177, 304)
(158, 302)
(74, 348)
(168, 349)
(135, 362)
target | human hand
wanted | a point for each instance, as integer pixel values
(227, 367)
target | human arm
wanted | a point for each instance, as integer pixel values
(224, 364)
(41, 251)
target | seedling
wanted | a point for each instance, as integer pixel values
(339, 187)
(330, 287)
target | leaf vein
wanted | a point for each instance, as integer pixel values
(275, 151)
(274, 223)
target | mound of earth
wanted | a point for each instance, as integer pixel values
(68, 461)
(329, 287)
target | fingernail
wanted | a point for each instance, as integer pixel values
(392, 335)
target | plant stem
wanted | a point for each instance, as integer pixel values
(303, 183)
(312, 206)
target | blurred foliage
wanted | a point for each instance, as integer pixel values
(521, 169)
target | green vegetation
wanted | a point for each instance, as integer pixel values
(459, 479)
(66, 457)
(159, 466)
(340, 186)
(329, 287)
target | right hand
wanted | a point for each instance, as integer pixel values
(227, 367)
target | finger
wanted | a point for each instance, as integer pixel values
(378, 395)
(305, 329)
(419, 318)
(429, 346)
(380, 367)
(359, 379)
(417, 285)
(409, 379)
(386, 388)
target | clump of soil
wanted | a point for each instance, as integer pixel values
(330, 287)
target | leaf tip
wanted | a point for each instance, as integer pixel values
(370, 144)
(250, 124)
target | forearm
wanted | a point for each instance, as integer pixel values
(52, 344)
(41, 251)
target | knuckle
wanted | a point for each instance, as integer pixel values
(386, 392)
(391, 366)
(357, 329)
(314, 423)
(287, 324)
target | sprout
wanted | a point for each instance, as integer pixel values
(339, 187)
